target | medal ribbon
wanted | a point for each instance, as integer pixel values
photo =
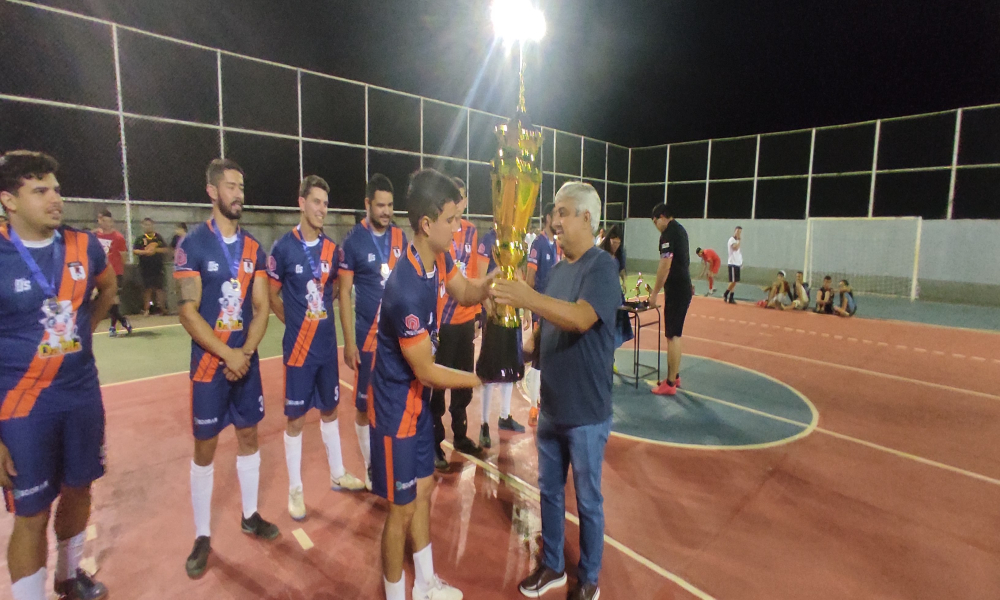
(233, 263)
(48, 286)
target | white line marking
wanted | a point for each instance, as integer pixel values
(900, 347)
(800, 331)
(711, 317)
(752, 323)
(838, 337)
(303, 538)
(866, 341)
(919, 350)
(826, 335)
(533, 493)
(787, 328)
(938, 353)
(812, 333)
(743, 322)
(852, 339)
(958, 355)
(882, 344)
(978, 358)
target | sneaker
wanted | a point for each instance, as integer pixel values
(533, 416)
(440, 462)
(296, 504)
(665, 389)
(438, 590)
(509, 424)
(112, 332)
(81, 587)
(257, 526)
(484, 436)
(732, 299)
(467, 446)
(128, 326)
(197, 561)
(541, 581)
(346, 482)
(585, 591)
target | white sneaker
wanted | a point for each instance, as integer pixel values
(296, 504)
(438, 590)
(346, 482)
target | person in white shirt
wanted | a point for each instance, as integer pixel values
(734, 246)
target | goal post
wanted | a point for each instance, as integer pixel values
(878, 255)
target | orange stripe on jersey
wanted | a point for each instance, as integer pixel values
(532, 266)
(390, 484)
(371, 340)
(414, 406)
(42, 372)
(303, 342)
(184, 274)
(409, 342)
(371, 395)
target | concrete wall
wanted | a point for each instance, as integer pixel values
(959, 260)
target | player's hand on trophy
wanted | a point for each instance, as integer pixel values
(516, 293)
(351, 356)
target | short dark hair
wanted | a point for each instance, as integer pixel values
(219, 166)
(183, 226)
(148, 219)
(828, 278)
(105, 213)
(428, 192)
(697, 250)
(740, 227)
(359, 216)
(459, 183)
(547, 209)
(310, 182)
(662, 210)
(378, 183)
(844, 281)
(18, 165)
(799, 273)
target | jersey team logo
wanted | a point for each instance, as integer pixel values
(180, 257)
(412, 323)
(231, 308)
(61, 335)
(106, 244)
(77, 272)
(315, 311)
(247, 266)
(324, 266)
(396, 252)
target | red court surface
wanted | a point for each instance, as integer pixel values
(894, 494)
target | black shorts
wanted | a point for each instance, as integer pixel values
(734, 274)
(675, 310)
(152, 279)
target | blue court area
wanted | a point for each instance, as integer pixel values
(720, 406)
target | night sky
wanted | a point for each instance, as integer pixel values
(631, 72)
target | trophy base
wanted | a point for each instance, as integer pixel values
(500, 358)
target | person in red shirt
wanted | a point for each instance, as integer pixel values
(114, 246)
(710, 263)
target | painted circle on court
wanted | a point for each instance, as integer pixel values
(720, 406)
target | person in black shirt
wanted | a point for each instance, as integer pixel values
(179, 233)
(673, 275)
(150, 247)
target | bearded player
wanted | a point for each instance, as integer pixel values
(403, 442)
(303, 270)
(52, 414)
(223, 291)
(367, 257)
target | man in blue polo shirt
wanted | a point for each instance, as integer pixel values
(576, 336)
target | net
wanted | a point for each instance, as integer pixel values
(876, 256)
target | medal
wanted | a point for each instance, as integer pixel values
(386, 270)
(317, 270)
(233, 263)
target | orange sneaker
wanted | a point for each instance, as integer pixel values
(665, 389)
(533, 416)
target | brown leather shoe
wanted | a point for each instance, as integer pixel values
(585, 591)
(542, 580)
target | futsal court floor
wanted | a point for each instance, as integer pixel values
(806, 457)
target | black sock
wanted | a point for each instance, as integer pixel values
(115, 315)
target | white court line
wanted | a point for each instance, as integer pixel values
(303, 539)
(900, 347)
(920, 350)
(533, 493)
(958, 356)
(978, 358)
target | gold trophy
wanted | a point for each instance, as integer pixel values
(517, 177)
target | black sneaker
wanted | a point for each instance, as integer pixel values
(440, 462)
(257, 526)
(509, 424)
(81, 587)
(585, 591)
(467, 446)
(732, 299)
(541, 581)
(197, 561)
(128, 326)
(484, 436)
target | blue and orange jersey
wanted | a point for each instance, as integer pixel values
(226, 301)
(310, 328)
(485, 252)
(407, 316)
(464, 246)
(46, 342)
(544, 254)
(360, 256)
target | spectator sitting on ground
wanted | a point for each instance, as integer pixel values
(824, 297)
(779, 293)
(800, 291)
(847, 306)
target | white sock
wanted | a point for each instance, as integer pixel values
(506, 389)
(423, 568)
(202, 479)
(487, 396)
(293, 459)
(68, 555)
(32, 587)
(248, 471)
(393, 591)
(533, 379)
(331, 439)
(364, 440)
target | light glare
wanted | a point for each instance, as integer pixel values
(517, 21)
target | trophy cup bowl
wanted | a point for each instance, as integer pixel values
(516, 176)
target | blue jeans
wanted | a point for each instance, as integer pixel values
(559, 447)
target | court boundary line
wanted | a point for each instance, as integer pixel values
(535, 494)
(939, 386)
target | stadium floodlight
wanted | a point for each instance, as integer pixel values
(517, 21)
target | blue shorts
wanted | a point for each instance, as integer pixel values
(220, 403)
(311, 386)
(397, 463)
(362, 379)
(53, 447)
